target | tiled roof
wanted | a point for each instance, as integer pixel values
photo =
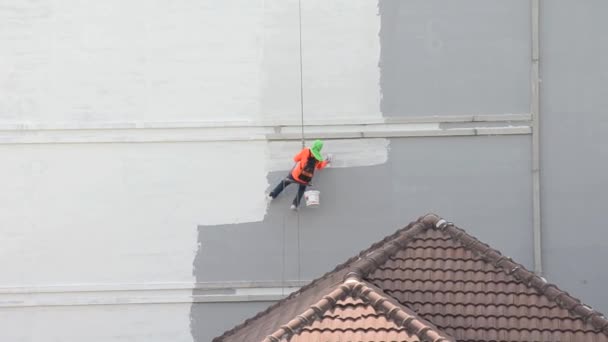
(339, 316)
(429, 281)
(353, 320)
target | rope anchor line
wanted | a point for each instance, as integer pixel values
(284, 251)
(301, 73)
(301, 119)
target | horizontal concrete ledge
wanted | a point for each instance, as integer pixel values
(160, 299)
(405, 133)
(108, 287)
(9, 126)
(392, 127)
(131, 294)
(460, 118)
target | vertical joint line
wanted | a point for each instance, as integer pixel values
(283, 261)
(535, 111)
(299, 252)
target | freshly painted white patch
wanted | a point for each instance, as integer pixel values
(346, 153)
(340, 49)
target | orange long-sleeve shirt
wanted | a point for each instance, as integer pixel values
(301, 159)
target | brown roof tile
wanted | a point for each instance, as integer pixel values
(430, 280)
(350, 320)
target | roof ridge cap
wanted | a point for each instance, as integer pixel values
(562, 298)
(396, 312)
(315, 311)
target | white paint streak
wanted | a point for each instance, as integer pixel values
(346, 153)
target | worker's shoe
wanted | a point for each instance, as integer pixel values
(293, 207)
(269, 198)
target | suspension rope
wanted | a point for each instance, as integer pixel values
(298, 239)
(301, 124)
(283, 263)
(301, 73)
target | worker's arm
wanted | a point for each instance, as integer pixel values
(322, 164)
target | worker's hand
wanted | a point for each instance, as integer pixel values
(329, 158)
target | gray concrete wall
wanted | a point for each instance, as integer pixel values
(215, 318)
(574, 146)
(448, 58)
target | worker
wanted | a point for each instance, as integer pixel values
(307, 161)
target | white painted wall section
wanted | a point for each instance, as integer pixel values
(129, 60)
(341, 53)
(119, 213)
(340, 60)
(197, 60)
(133, 323)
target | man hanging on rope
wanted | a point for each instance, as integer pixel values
(307, 161)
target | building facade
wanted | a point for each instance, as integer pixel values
(138, 139)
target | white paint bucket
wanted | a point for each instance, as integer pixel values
(312, 198)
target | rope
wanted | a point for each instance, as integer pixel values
(301, 122)
(303, 145)
(301, 74)
(298, 239)
(283, 263)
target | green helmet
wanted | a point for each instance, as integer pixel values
(317, 145)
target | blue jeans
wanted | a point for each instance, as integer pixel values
(284, 183)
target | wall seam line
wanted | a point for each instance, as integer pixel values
(535, 111)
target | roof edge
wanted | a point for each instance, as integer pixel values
(381, 302)
(562, 298)
(373, 259)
